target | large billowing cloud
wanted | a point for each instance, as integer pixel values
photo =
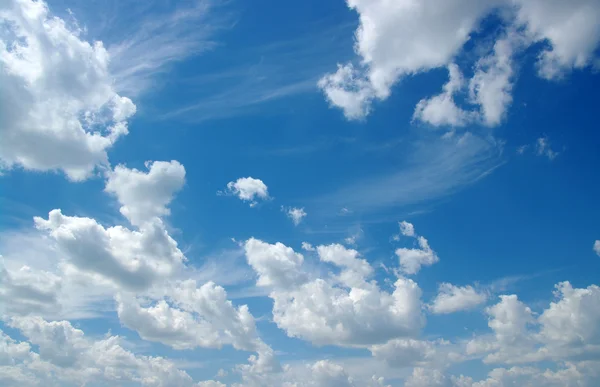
(401, 38)
(346, 308)
(58, 106)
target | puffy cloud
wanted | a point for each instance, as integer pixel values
(491, 85)
(452, 299)
(342, 310)
(411, 260)
(194, 317)
(566, 330)
(409, 352)
(58, 107)
(597, 247)
(276, 265)
(397, 39)
(574, 319)
(211, 383)
(67, 357)
(407, 229)
(581, 374)
(348, 90)
(571, 31)
(307, 246)
(400, 38)
(295, 214)
(26, 290)
(126, 258)
(248, 189)
(441, 109)
(423, 377)
(322, 373)
(145, 195)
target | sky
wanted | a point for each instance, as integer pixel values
(331, 193)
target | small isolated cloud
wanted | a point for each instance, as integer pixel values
(411, 260)
(407, 229)
(307, 247)
(521, 149)
(542, 148)
(247, 189)
(294, 213)
(597, 247)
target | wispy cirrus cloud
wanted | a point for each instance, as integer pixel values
(146, 38)
(433, 169)
(261, 74)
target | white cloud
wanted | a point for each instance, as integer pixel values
(441, 109)
(321, 373)
(452, 299)
(491, 85)
(582, 374)
(542, 148)
(345, 309)
(423, 377)
(347, 90)
(566, 330)
(597, 247)
(195, 316)
(411, 260)
(58, 107)
(145, 195)
(126, 258)
(400, 353)
(571, 30)
(67, 357)
(295, 214)
(307, 246)
(26, 290)
(573, 319)
(248, 189)
(397, 39)
(211, 383)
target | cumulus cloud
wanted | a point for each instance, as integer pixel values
(192, 316)
(307, 247)
(441, 109)
(58, 107)
(276, 265)
(451, 298)
(492, 83)
(67, 357)
(145, 195)
(248, 189)
(126, 258)
(566, 330)
(321, 373)
(345, 309)
(411, 260)
(27, 290)
(396, 39)
(295, 214)
(597, 247)
(571, 31)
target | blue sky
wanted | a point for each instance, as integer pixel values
(361, 193)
